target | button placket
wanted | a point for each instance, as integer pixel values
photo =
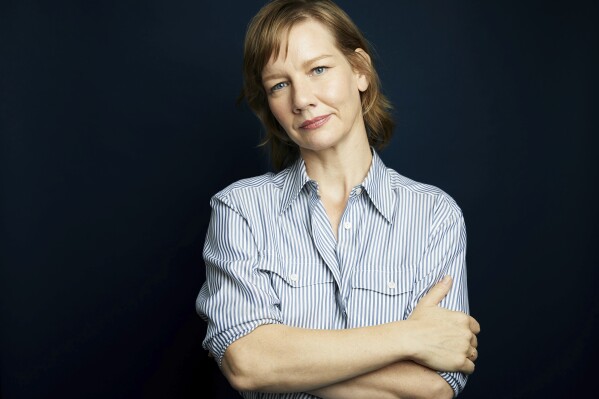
(346, 248)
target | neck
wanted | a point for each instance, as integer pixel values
(337, 171)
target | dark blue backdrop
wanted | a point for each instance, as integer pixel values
(118, 123)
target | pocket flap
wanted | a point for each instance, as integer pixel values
(390, 282)
(302, 275)
(297, 273)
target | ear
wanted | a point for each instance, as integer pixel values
(363, 82)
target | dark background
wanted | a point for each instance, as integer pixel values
(118, 123)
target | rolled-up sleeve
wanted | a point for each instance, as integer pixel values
(445, 254)
(237, 296)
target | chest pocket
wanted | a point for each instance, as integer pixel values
(304, 289)
(296, 274)
(388, 282)
(380, 295)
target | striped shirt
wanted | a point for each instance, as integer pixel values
(271, 257)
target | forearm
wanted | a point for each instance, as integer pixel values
(405, 380)
(279, 358)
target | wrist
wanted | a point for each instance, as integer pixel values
(405, 342)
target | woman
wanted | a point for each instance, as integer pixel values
(335, 277)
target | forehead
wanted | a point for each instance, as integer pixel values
(304, 40)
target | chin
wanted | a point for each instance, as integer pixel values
(317, 148)
(319, 143)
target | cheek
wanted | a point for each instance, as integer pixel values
(276, 107)
(337, 92)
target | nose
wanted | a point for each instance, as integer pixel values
(303, 97)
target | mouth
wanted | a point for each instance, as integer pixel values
(315, 123)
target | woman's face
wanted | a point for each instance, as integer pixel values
(313, 92)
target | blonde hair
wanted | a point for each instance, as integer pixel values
(263, 40)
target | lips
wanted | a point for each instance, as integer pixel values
(315, 123)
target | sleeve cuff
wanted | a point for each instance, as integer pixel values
(457, 381)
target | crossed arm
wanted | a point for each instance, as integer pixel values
(403, 379)
(395, 360)
(400, 359)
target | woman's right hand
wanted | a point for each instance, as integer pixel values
(439, 338)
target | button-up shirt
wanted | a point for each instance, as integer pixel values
(272, 257)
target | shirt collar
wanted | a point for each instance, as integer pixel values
(377, 184)
(297, 177)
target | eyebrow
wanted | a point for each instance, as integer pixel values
(304, 65)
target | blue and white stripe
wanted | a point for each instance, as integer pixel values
(271, 256)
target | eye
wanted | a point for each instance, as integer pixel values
(319, 70)
(278, 86)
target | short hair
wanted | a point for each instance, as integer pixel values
(262, 41)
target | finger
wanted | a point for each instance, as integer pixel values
(437, 293)
(474, 326)
(474, 341)
(468, 367)
(473, 355)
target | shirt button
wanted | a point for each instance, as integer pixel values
(391, 285)
(347, 225)
(293, 277)
(358, 190)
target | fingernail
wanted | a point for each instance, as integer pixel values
(445, 279)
